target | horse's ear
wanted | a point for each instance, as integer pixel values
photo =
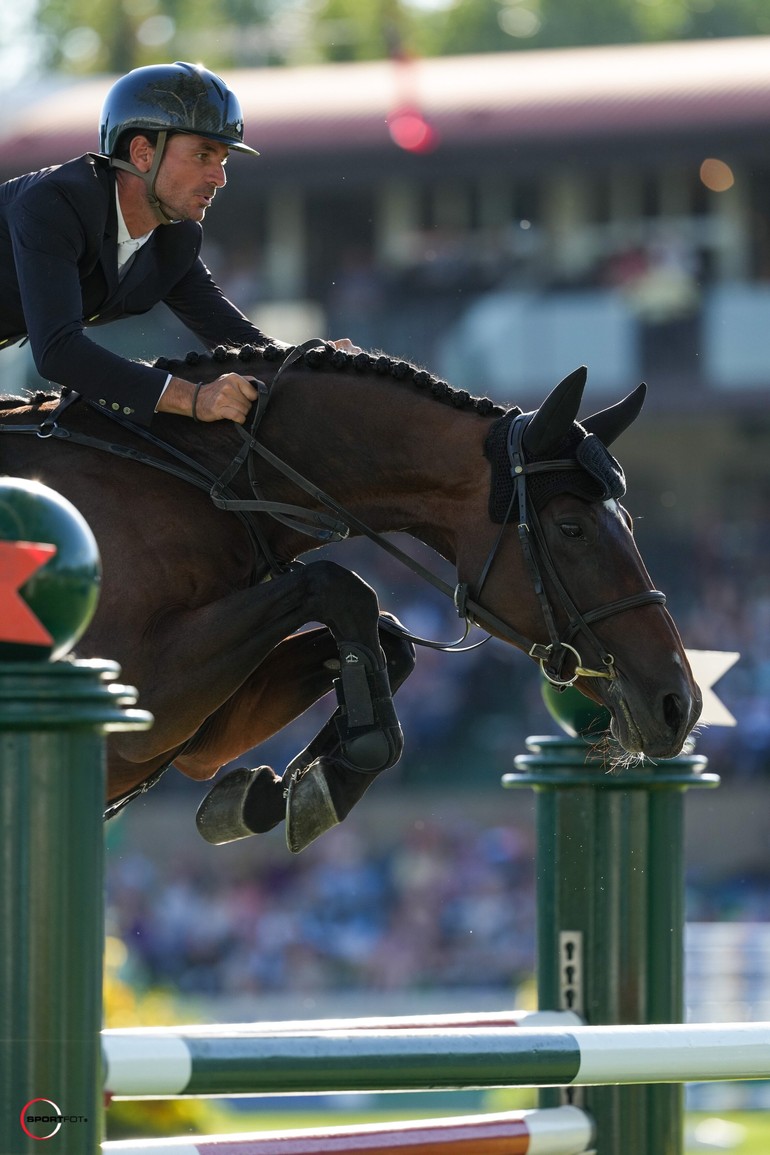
(610, 423)
(553, 420)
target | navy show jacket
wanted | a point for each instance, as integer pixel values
(59, 273)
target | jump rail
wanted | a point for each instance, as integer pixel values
(147, 1063)
(555, 1131)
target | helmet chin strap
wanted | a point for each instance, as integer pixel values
(149, 177)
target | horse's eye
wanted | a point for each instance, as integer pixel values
(571, 529)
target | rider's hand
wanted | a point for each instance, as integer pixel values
(229, 398)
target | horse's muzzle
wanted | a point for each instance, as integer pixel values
(657, 728)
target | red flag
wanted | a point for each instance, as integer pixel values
(18, 560)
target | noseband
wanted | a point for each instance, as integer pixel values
(592, 457)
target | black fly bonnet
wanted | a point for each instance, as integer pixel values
(594, 474)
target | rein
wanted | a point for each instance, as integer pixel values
(326, 528)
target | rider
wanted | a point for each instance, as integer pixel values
(109, 235)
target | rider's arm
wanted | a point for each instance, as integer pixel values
(50, 246)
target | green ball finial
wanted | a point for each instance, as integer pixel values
(577, 715)
(49, 572)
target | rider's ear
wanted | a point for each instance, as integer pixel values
(552, 422)
(608, 424)
(141, 153)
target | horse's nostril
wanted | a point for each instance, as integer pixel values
(672, 711)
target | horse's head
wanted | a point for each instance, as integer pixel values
(582, 592)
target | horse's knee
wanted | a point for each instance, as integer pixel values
(337, 595)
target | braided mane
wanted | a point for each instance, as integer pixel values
(12, 401)
(326, 356)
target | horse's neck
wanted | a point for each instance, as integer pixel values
(396, 459)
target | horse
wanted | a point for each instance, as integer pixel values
(228, 633)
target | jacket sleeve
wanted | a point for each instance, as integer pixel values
(49, 243)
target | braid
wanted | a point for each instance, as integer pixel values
(12, 401)
(325, 355)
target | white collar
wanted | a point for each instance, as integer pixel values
(133, 244)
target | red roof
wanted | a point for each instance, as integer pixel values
(551, 96)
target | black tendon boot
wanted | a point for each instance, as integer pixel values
(323, 783)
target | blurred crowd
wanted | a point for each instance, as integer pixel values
(443, 906)
(438, 907)
(718, 583)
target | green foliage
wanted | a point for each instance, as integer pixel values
(125, 1005)
(741, 1133)
(88, 36)
(455, 27)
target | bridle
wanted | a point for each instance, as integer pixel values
(325, 528)
(537, 556)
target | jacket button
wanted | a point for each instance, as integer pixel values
(102, 401)
(115, 405)
(127, 410)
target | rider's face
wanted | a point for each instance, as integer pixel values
(191, 171)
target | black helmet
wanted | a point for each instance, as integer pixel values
(172, 98)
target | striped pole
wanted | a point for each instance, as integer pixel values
(147, 1063)
(561, 1131)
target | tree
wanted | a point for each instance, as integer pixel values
(456, 27)
(89, 36)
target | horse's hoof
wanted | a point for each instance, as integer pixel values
(245, 802)
(321, 797)
(310, 811)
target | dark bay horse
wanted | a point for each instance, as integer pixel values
(201, 606)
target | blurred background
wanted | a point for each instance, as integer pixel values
(499, 190)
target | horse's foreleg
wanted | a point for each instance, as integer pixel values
(333, 739)
(331, 774)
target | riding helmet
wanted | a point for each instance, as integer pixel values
(175, 97)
